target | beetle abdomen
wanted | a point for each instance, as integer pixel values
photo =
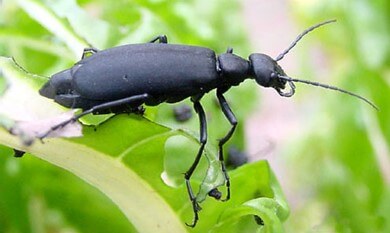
(146, 68)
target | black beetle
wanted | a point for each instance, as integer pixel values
(122, 79)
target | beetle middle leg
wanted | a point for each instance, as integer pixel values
(162, 39)
(88, 52)
(136, 100)
(202, 139)
(233, 121)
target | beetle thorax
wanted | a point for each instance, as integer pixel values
(233, 69)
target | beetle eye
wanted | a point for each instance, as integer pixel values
(274, 75)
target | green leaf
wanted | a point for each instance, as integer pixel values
(270, 207)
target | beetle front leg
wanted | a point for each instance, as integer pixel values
(162, 39)
(202, 139)
(233, 121)
(136, 100)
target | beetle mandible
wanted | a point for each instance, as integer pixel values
(122, 79)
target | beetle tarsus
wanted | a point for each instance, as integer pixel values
(215, 193)
(18, 153)
(196, 208)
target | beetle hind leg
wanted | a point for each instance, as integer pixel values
(233, 122)
(202, 139)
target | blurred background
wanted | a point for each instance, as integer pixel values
(329, 151)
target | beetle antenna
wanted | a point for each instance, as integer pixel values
(328, 87)
(300, 36)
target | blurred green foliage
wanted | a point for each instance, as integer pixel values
(342, 164)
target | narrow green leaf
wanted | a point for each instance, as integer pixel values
(140, 202)
(83, 24)
(21, 40)
(42, 14)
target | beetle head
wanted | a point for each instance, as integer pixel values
(267, 73)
